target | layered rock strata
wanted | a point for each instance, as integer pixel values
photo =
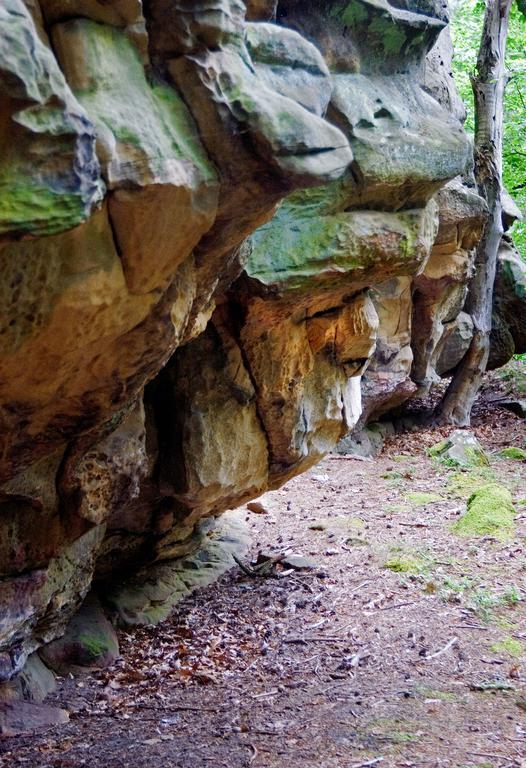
(141, 155)
(213, 221)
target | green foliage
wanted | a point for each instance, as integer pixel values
(404, 564)
(466, 26)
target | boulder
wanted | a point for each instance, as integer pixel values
(461, 449)
(34, 683)
(508, 334)
(367, 442)
(490, 512)
(20, 717)
(225, 244)
(88, 643)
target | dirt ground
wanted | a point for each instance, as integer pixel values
(405, 645)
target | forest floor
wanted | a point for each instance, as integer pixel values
(405, 645)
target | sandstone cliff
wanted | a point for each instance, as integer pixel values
(228, 234)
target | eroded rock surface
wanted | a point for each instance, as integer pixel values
(216, 224)
(508, 334)
(440, 291)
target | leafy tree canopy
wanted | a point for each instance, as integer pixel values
(466, 26)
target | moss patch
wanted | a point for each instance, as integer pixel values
(408, 561)
(395, 730)
(421, 498)
(464, 483)
(509, 646)
(116, 90)
(95, 646)
(519, 454)
(403, 564)
(490, 512)
(437, 449)
(353, 14)
(514, 376)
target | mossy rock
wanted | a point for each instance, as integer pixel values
(438, 449)
(150, 595)
(490, 512)
(89, 642)
(461, 449)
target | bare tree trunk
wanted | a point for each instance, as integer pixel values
(488, 88)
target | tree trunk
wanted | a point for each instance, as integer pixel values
(488, 88)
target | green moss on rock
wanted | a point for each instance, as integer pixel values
(354, 13)
(49, 174)
(96, 645)
(490, 512)
(436, 450)
(306, 244)
(460, 449)
(162, 147)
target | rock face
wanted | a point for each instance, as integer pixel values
(216, 223)
(439, 292)
(508, 334)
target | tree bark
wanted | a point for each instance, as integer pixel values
(488, 88)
